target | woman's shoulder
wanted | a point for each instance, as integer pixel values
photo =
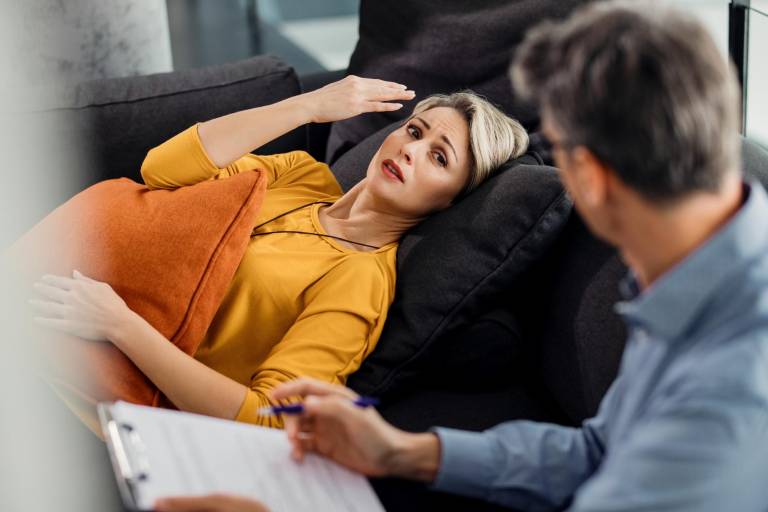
(370, 270)
(300, 169)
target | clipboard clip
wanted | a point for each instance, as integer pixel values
(129, 452)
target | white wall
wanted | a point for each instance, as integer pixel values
(44, 465)
(84, 39)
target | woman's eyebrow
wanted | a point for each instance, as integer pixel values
(447, 141)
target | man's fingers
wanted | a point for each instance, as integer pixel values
(297, 453)
(183, 504)
(329, 405)
(306, 442)
(210, 503)
(303, 387)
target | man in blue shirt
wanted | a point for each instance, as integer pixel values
(642, 113)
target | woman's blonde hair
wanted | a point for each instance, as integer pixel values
(494, 137)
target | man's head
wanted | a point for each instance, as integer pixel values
(636, 97)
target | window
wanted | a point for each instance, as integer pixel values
(756, 89)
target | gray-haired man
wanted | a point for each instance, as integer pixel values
(642, 113)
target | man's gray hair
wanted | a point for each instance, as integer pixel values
(642, 86)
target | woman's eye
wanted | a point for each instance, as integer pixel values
(414, 131)
(440, 159)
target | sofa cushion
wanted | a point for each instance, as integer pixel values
(169, 254)
(440, 46)
(458, 265)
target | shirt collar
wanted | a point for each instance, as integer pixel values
(668, 307)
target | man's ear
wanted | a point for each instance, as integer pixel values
(591, 176)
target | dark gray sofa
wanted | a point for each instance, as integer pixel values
(547, 350)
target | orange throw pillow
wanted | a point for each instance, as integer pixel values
(170, 254)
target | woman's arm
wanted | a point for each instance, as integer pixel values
(229, 137)
(187, 382)
(94, 311)
(223, 145)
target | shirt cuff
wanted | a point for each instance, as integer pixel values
(198, 150)
(249, 411)
(467, 462)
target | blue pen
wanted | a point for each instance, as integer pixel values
(363, 401)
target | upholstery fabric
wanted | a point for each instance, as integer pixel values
(116, 121)
(169, 254)
(457, 265)
(441, 46)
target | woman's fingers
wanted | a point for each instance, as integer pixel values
(303, 386)
(79, 275)
(59, 324)
(50, 309)
(50, 292)
(65, 283)
(379, 90)
(391, 85)
(377, 106)
(380, 93)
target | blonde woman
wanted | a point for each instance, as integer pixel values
(311, 294)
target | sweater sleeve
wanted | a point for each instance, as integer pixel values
(340, 324)
(182, 160)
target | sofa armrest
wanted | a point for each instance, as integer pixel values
(118, 120)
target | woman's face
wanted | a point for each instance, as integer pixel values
(423, 165)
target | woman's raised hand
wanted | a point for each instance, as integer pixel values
(354, 95)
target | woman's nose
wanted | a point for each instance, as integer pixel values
(407, 152)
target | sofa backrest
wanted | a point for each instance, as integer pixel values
(441, 46)
(116, 121)
(568, 314)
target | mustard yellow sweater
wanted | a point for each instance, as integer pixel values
(299, 305)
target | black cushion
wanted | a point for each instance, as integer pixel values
(457, 266)
(440, 46)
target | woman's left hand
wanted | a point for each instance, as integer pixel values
(351, 96)
(80, 306)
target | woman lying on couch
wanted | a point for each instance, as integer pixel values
(310, 296)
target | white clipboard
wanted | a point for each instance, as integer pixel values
(158, 452)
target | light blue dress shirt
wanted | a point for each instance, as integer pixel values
(685, 425)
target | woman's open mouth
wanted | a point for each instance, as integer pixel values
(392, 171)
